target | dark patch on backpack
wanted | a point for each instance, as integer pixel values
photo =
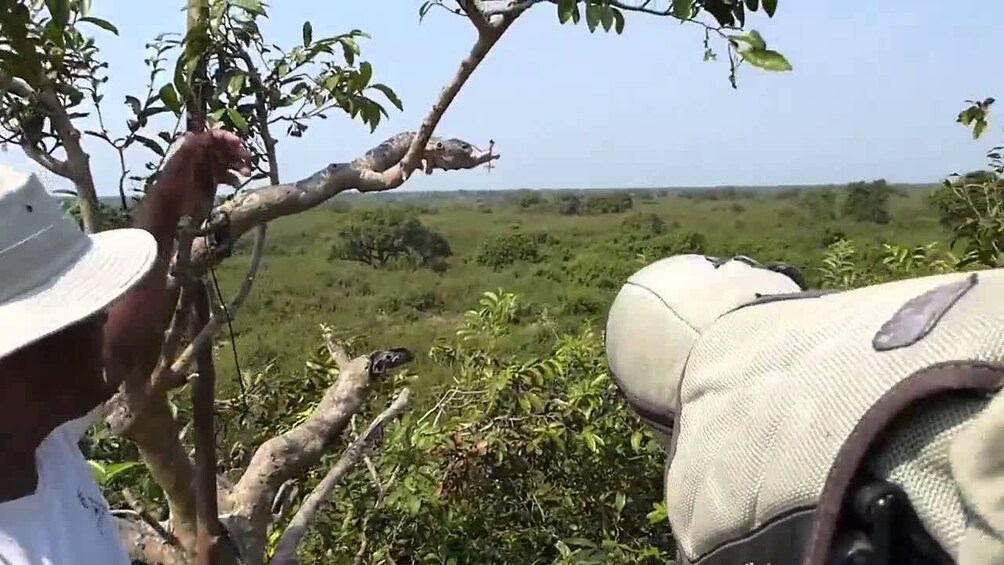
(915, 319)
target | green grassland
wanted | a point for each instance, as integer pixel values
(582, 261)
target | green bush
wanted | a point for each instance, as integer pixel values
(610, 203)
(503, 251)
(524, 460)
(381, 236)
(868, 202)
(646, 223)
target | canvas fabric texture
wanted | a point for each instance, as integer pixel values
(764, 397)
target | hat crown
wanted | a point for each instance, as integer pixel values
(38, 240)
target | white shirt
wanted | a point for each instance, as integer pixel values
(66, 519)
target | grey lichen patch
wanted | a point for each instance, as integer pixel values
(915, 319)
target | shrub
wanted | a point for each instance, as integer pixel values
(645, 223)
(611, 203)
(502, 251)
(384, 235)
(868, 202)
(569, 205)
(524, 460)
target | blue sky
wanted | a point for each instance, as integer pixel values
(874, 93)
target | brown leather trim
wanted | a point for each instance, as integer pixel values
(783, 540)
(939, 378)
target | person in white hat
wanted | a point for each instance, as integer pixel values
(71, 305)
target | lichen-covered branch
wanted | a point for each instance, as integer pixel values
(285, 551)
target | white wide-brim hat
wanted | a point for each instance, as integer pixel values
(52, 274)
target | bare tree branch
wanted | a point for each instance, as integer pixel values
(475, 13)
(137, 509)
(211, 546)
(146, 545)
(286, 456)
(77, 166)
(285, 552)
(175, 375)
(52, 164)
(148, 421)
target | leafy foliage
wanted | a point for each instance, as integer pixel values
(246, 83)
(972, 206)
(868, 202)
(609, 203)
(381, 236)
(845, 266)
(646, 223)
(502, 466)
(510, 249)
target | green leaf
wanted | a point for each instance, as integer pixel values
(237, 119)
(308, 33)
(618, 20)
(658, 513)
(390, 94)
(753, 39)
(566, 9)
(619, 501)
(150, 144)
(169, 96)
(236, 83)
(118, 468)
(592, 17)
(103, 24)
(365, 74)
(97, 471)
(636, 439)
(60, 11)
(770, 6)
(134, 104)
(424, 9)
(252, 6)
(978, 128)
(683, 9)
(606, 17)
(766, 59)
(752, 5)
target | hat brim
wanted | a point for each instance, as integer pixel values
(114, 262)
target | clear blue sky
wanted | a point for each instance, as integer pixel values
(874, 93)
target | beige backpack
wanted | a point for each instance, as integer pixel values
(819, 428)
